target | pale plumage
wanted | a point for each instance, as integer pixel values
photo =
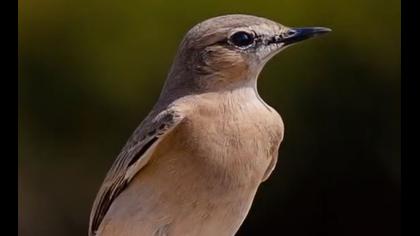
(194, 164)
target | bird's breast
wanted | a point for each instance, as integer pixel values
(235, 139)
(206, 171)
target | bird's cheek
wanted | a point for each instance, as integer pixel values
(229, 64)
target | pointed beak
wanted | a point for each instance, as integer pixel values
(295, 35)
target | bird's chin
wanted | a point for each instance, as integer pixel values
(271, 51)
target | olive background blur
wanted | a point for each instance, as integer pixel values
(90, 71)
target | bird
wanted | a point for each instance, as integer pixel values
(194, 164)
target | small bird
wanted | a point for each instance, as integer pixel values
(193, 166)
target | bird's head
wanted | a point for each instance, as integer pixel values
(231, 50)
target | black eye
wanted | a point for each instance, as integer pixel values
(242, 39)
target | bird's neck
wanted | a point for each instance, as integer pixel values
(182, 83)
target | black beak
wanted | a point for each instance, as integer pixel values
(295, 35)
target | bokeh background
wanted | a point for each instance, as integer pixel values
(89, 71)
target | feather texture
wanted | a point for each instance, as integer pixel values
(133, 157)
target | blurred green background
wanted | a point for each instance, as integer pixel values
(89, 72)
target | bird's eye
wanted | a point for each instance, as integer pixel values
(242, 39)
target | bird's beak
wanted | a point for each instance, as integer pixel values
(292, 36)
(295, 35)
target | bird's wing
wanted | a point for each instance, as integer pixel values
(133, 157)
